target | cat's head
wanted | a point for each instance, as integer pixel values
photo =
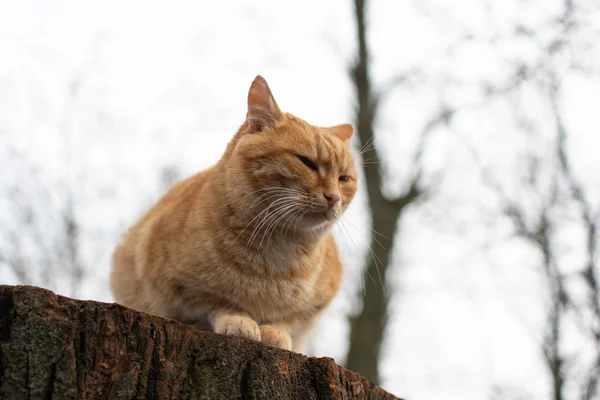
(302, 175)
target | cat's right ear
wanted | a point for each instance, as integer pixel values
(263, 111)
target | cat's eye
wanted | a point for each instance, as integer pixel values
(309, 163)
(344, 178)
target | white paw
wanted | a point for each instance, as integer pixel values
(276, 337)
(238, 325)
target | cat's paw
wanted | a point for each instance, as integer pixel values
(238, 325)
(276, 337)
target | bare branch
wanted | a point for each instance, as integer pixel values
(413, 193)
(590, 270)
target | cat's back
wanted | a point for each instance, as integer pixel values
(124, 279)
(182, 193)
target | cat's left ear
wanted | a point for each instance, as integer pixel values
(263, 111)
(344, 131)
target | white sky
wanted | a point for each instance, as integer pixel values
(165, 84)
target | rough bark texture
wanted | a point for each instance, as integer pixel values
(53, 347)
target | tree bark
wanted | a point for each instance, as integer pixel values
(53, 347)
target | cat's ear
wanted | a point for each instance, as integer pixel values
(263, 111)
(344, 131)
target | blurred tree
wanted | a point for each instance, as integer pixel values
(557, 46)
(367, 327)
(26, 239)
(549, 206)
(563, 206)
(40, 236)
(40, 241)
(169, 175)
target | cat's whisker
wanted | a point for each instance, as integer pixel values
(371, 234)
(367, 146)
(276, 219)
(268, 217)
(285, 213)
(289, 221)
(300, 218)
(361, 275)
(348, 232)
(296, 217)
(369, 159)
(265, 211)
(269, 190)
(259, 190)
(340, 224)
(376, 260)
(283, 207)
(252, 220)
(279, 191)
(272, 192)
(270, 211)
(264, 197)
(269, 223)
(284, 216)
(262, 226)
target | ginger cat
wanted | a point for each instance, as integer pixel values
(245, 247)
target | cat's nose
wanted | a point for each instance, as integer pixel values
(332, 198)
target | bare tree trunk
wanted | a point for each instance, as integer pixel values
(53, 347)
(72, 245)
(368, 327)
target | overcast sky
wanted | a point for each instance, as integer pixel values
(104, 95)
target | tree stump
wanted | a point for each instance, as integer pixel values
(53, 347)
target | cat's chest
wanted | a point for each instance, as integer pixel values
(273, 299)
(288, 289)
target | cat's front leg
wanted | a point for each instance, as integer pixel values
(237, 325)
(303, 333)
(276, 336)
